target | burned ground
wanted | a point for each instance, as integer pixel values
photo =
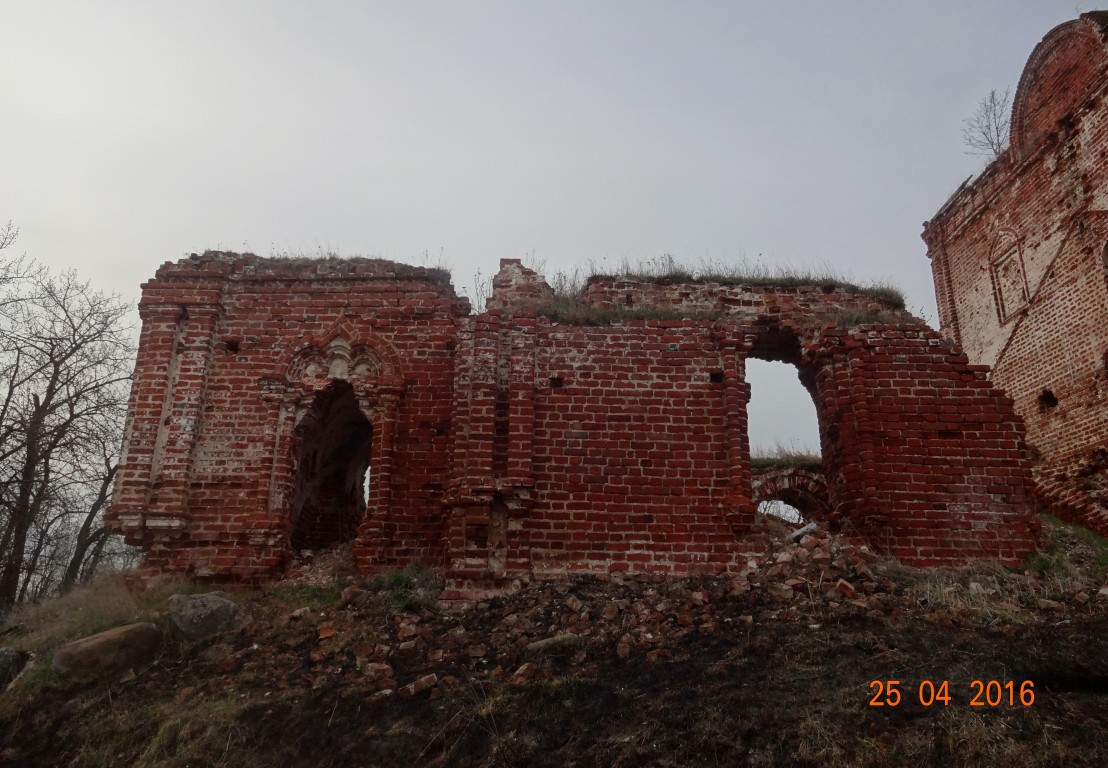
(773, 667)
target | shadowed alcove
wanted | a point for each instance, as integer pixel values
(332, 459)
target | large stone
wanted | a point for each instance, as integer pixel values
(199, 616)
(12, 663)
(558, 642)
(115, 651)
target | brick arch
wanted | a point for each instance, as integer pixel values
(371, 367)
(365, 357)
(1060, 74)
(803, 489)
(783, 340)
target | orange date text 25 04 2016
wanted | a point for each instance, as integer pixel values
(982, 693)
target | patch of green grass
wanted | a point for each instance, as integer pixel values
(1089, 537)
(786, 462)
(400, 580)
(29, 691)
(312, 596)
(1050, 563)
(1053, 561)
(205, 730)
(408, 591)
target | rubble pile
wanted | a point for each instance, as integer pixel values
(403, 643)
(391, 637)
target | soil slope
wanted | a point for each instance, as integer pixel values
(775, 667)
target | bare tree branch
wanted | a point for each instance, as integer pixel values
(986, 131)
(65, 361)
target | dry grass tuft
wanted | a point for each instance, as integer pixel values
(667, 267)
(85, 610)
(782, 456)
(204, 730)
(576, 312)
(568, 308)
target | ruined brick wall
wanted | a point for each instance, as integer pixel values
(634, 452)
(235, 352)
(924, 456)
(1018, 254)
(623, 441)
(514, 444)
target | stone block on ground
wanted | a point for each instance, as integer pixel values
(199, 616)
(112, 652)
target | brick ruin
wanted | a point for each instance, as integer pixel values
(279, 405)
(1020, 262)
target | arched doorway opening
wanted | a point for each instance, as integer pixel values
(786, 461)
(333, 451)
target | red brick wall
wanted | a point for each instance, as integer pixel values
(924, 457)
(508, 446)
(208, 468)
(627, 442)
(631, 463)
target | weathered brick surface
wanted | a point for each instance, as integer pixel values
(1019, 257)
(234, 353)
(506, 446)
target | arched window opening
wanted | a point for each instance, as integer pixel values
(332, 470)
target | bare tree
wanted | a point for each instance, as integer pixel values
(986, 131)
(8, 234)
(65, 360)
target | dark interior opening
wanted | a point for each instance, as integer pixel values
(1047, 400)
(332, 465)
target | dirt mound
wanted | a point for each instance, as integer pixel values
(783, 665)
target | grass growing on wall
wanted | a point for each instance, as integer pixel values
(568, 307)
(782, 456)
(668, 268)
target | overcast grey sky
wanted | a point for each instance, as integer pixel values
(806, 132)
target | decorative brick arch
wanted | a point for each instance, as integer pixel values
(803, 489)
(1063, 70)
(371, 367)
